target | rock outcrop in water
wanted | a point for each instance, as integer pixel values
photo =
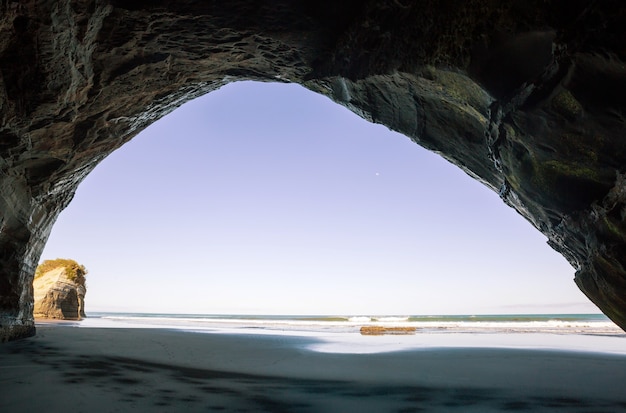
(59, 290)
(525, 96)
(381, 331)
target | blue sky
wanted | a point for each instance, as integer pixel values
(270, 199)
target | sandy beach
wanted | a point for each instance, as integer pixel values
(156, 370)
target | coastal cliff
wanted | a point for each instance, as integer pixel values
(525, 96)
(59, 290)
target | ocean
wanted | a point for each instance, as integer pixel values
(595, 324)
(342, 333)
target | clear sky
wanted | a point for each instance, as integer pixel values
(270, 199)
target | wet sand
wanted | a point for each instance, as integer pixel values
(152, 370)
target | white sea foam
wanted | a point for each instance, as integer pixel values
(520, 326)
(359, 319)
(390, 319)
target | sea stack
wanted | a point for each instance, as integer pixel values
(59, 290)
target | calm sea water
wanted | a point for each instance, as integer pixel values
(597, 324)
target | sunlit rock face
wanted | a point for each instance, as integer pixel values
(526, 97)
(57, 296)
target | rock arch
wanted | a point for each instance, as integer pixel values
(526, 97)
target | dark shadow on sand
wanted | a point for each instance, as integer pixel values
(158, 386)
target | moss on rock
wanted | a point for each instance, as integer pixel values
(566, 104)
(73, 270)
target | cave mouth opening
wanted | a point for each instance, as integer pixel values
(267, 198)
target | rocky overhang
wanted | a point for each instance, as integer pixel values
(528, 97)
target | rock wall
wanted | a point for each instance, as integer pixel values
(525, 96)
(56, 296)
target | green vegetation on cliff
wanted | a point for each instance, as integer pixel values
(73, 270)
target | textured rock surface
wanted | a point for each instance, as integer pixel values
(381, 331)
(56, 296)
(525, 96)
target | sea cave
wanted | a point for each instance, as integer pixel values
(526, 97)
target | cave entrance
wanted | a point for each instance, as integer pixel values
(267, 198)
